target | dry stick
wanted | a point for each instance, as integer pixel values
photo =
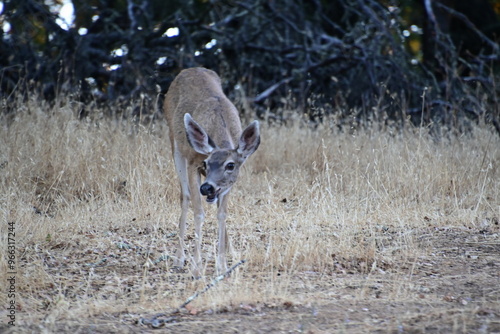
(156, 323)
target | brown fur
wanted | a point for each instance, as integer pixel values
(206, 138)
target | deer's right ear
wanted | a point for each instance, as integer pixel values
(197, 136)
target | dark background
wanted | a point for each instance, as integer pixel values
(360, 61)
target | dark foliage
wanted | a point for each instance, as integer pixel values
(342, 57)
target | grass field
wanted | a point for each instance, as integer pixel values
(376, 230)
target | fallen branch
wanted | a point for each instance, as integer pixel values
(159, 320)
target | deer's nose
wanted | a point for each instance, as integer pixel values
(207, 189)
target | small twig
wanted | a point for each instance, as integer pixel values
(155, 322)
(211, 284)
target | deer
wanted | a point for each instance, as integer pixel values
(207, 140)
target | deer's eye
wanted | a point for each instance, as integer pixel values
(230, 166)
(204, 164)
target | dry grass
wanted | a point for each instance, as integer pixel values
(331, 223)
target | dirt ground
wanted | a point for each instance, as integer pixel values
(454, 288)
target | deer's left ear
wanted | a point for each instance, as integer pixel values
(249, 140)
(197, 136)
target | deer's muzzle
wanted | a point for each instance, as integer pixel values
(208, 190)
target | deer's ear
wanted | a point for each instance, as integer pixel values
(249, 140)
(197, 136)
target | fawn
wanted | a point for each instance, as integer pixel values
(207, 139)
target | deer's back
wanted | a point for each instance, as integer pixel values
(198, 91)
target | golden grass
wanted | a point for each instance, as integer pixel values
(95, 207)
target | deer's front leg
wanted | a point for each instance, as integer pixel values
(199, 217)
(222, 246)
(181, 167)
(180, 257)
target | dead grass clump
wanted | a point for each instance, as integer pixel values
(95, 205)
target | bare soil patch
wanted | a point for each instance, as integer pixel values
(455, 287)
